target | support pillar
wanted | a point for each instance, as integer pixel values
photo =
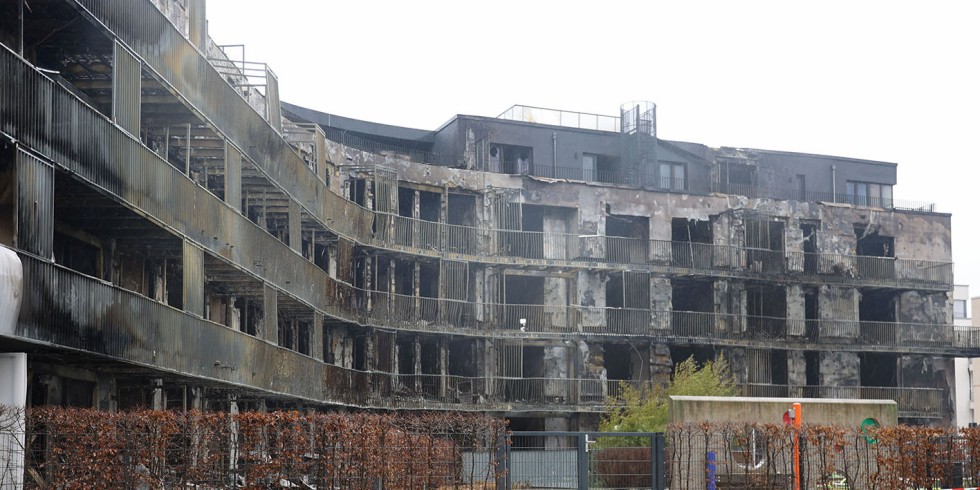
(159, 401)
(295, 227)
(443, 366)
(270, 309)
(233, 177)
(13, 394)
(316, 336)
(193, 279)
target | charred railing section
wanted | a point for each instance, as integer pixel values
(498, 245)
(83, 313)
(98, 318)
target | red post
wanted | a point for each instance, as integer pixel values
(797, 426)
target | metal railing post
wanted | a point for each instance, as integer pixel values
(501, 474)
(583, 461)
(658, 453)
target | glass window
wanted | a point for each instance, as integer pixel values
(959, 308)
(673, 176)
(665, 175)
(869, 194)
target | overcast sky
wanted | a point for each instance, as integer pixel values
(882, 80)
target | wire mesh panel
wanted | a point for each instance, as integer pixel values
(584, 460)
(545, 460)
(617, 461)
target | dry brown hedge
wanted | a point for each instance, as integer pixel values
(90, 449)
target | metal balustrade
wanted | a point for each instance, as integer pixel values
(559, 321)
(129, 323)
(912, 402)
(483, 244)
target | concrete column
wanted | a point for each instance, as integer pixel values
(417, 363)
(369, 357)
(193, 279)
(159, 399)
(795, 311)
(838, 309)
(233, 433)
(557, 226)
(196, 398)
(270, 314)
(369, 193)
(796, 366)
(316, 336)
(295, 227)
(443, 365)
(556, 374)
(197, 24)
(417, 289)
(556, 294)
(105, 390)
(13, 394)
(555, 424)
(233, 177)
(661, 299)
(591, 295)
(841, 369)
(661, 364)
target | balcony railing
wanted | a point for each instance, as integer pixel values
(109, 321)
(912, 402)
(425, 314)
(689, 257)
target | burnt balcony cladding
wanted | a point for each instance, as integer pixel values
(491, 264)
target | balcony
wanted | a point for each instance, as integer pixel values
(912, 402)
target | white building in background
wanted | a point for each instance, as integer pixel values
(966, 383)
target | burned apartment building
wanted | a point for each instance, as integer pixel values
(187, 241)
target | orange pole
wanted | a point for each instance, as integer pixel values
(797, 426)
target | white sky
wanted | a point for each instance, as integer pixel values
(884, 80)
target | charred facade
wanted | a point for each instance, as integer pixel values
(188, 241)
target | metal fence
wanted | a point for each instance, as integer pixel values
(582, 460)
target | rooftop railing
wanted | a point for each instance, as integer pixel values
(557, 117)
